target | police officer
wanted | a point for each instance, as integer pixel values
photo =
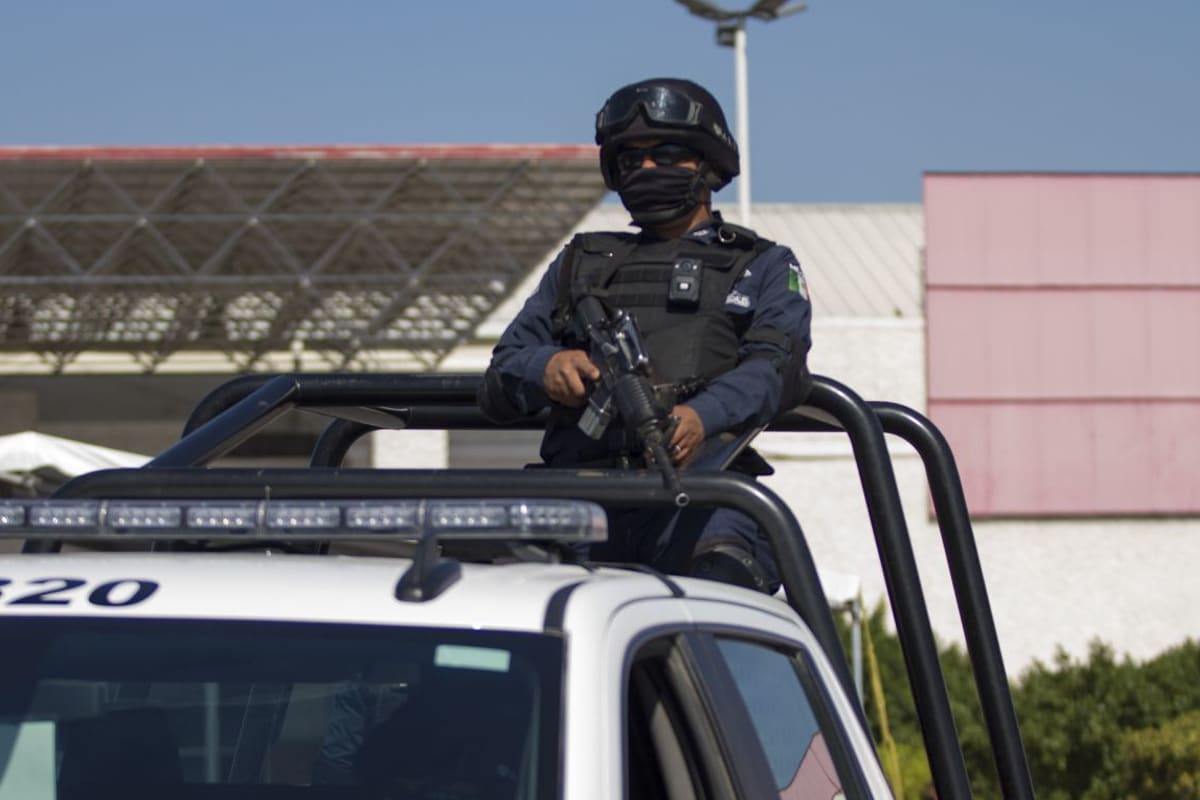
(723, 312)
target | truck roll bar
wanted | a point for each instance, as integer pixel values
(360, 403)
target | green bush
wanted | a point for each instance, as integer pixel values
(1071, 718)
(1090, 727)
(1160, 763)
(902, 715)
(1075, 716)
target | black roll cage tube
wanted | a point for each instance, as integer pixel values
(359, 403)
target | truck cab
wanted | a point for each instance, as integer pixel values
(241, 675)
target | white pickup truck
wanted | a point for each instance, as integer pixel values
(188, 632)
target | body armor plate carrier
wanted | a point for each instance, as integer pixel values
(676, 291)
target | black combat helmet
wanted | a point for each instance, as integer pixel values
(671, 109)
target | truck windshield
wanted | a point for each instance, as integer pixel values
(168, 708)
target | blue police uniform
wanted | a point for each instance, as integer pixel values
(769, 294)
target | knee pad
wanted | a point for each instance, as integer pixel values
(727, 559)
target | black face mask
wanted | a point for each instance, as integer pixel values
(660, 194)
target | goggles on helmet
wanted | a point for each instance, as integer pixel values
(662, 106)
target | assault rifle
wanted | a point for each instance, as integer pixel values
(624, 388)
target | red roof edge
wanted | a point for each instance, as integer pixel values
(476, 152)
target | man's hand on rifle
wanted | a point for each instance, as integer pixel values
(688, 436)
(566, 376)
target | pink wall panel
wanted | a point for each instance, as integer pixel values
(1001, 230)
(1173, 232)
(975, 237)
(1082, 458)
(1100, 343)
(1062, 220)
(1114, 241)
(1063, 316)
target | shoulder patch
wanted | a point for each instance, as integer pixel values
(796, 280)
(736, 298)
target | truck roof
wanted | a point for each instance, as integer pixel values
(344, 589)
(350, 589)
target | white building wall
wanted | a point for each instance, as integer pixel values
(1129, 583)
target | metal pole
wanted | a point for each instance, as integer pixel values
(856, 651)
(741, 86)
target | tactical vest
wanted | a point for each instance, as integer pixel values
(676, 292)
(674, 289)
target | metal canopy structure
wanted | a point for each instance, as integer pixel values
(340, 251)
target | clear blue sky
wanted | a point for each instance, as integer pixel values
(849, 101)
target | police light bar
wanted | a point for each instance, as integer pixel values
(528, 519)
